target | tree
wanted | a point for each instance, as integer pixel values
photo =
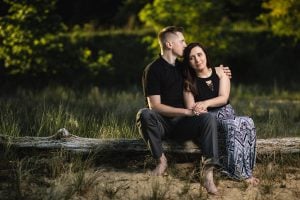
(208, 21)
(283, 17)
(34, 41)
(197, 17)
(28, 33)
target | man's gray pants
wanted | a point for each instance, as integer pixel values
(202, 129)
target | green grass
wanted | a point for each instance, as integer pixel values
(276, 112)
(104, 113)
(90, 113)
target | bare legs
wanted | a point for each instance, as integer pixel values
(209, 184)
(209, 180)
(161, 166)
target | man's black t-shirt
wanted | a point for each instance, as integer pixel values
(164, 79)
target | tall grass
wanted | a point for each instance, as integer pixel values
(104, 113)
(88, 113)
(276, 112)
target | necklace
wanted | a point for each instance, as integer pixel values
(206, 74)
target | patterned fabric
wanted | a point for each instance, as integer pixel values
(237, 138)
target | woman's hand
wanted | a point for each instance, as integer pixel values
(199, 108)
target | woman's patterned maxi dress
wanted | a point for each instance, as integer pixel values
(237, 134)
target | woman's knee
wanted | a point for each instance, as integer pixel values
(251, 121)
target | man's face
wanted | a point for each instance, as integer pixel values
(178, 44)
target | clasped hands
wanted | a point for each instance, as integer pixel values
(199, 108)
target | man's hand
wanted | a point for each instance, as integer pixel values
(226, 70)
(199, 108)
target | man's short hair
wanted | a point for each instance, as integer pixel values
(165, 32)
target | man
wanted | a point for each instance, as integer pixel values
(166, 115)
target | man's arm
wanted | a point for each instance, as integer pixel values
(154, 103)
(226, 70)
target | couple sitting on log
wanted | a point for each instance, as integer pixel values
(189, 100)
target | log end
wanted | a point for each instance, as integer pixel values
(61, 134)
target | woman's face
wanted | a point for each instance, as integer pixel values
(197, 59)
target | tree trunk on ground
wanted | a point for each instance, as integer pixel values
(63, 140)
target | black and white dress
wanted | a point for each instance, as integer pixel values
(237, 134)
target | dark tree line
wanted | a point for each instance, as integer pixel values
(104, 42)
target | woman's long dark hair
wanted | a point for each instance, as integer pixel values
(189, 73)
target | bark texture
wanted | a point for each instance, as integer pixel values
(66, 141)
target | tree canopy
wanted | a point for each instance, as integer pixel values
(283, 17)
(58, 37)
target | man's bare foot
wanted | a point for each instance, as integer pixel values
(161, 166)
(209, 181)
(252, 181)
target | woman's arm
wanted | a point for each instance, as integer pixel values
(189, 99)
(189, 102)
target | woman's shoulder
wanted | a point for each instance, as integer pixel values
(219, 71)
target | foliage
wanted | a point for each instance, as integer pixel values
(127, 14)
(33, 42)
(28, 32)
(206, 21)
(234, 34)
(128, 52)
(192, 14)
(283, 16)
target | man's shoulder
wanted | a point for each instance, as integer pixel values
(154, 65)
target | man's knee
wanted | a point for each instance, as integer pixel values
(143, 114)
(208, 119)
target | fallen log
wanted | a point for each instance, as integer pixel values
(63, 140)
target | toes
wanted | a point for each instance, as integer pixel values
(253, 181)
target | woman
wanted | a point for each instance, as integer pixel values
(207, 89)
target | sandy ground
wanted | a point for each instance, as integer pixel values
(132, 180)
(181, 182)
(140, 185)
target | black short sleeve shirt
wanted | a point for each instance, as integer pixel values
(164, 79)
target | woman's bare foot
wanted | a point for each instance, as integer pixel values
(252, 181)
(209, 181)
(161, 166)
(211, 187)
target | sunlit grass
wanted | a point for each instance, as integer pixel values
(89, 113)
(105, 113)
(276, 113)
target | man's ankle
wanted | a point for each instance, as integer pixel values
(162, 159)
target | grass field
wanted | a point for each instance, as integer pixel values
(110, 113)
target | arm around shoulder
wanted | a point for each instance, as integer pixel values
(225, 69)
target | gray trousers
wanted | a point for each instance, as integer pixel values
(202, 129)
